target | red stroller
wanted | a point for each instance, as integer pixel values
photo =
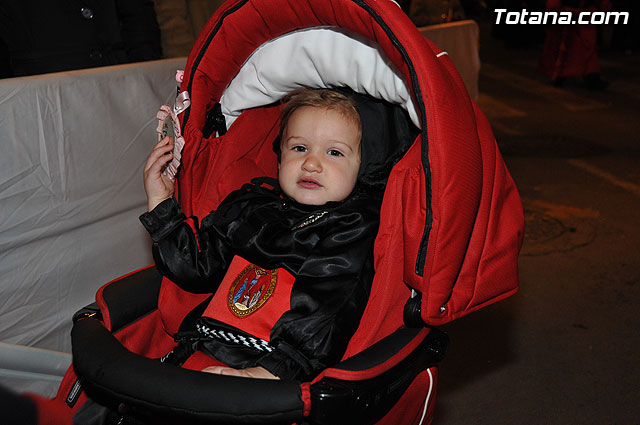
(450, 232)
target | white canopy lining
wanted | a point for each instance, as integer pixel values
(320, 57)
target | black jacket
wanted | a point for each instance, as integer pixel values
(38, 37)
(328, 249)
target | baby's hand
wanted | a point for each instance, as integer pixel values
(251, 372)
(158, 186)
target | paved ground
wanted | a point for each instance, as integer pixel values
(566, 348)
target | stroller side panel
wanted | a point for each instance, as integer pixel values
(496, 238)
(405, 198)
(477, 231)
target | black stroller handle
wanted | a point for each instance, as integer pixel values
(146, 387)
(115, 376)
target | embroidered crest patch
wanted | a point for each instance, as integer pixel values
(251, 289)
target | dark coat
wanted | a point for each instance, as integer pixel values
(50, 36)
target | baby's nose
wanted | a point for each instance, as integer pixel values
(312, 164)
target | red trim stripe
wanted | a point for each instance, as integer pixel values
(305, 390)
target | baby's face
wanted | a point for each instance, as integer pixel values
(320, 156)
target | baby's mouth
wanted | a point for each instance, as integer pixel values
(309, 183)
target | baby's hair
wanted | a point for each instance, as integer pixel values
(318, 98)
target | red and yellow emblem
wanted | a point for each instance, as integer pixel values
(251, 289)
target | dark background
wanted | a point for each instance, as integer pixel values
(565, 349)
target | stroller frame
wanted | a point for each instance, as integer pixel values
(455, 249)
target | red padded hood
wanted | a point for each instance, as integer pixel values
(452, 220)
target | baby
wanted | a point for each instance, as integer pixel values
(290, 267)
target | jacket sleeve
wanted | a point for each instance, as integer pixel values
(328, 298)
(195, 261)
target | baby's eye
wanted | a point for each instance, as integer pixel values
(334, 152)
(299, 148)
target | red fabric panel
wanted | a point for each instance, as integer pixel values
(146, 338)
(225, 163)
(456, 178)
(491, 258)
(260, 322)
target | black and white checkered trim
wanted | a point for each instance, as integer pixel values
(225, 335)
